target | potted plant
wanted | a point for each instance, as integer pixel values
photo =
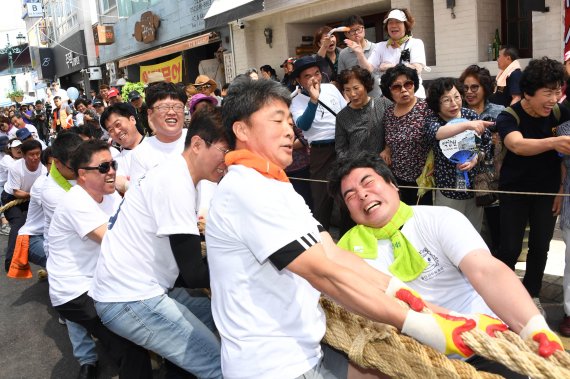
(16, 95)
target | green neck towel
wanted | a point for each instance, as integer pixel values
(363, 241)
(59, 179)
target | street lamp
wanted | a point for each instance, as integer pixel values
(9, 49)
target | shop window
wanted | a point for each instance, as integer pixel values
(516, 25)
(107, 5)
(129, 7)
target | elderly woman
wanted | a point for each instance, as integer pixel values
(326, 47)
(478, 87)
(406, 143)
(400, 48)
(444, 98)
(359, 125)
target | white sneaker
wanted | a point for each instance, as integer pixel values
(539, 306)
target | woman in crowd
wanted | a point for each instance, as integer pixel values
(359, 125)
(444, 98)
(532, 164)
(478, 87)
(401, 47)
(252, 73)
(268, 72)
(326, 47)
(406, 143)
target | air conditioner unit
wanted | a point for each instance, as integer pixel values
(95, 73)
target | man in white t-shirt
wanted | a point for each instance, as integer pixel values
(270, 259)
(59, 181)
(151, 240)
(312, 111)
(21, 176)
(451, 265)
(166, 116)
(77, 228)
(19, 123)
(33, 229)
(121, 123)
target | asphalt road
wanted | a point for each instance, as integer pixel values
(32, 342)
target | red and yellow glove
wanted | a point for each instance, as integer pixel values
(485, 323)
(537, 329)
(440, 331)
(397, 288)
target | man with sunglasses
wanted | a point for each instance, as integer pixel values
(152, 240)
(77, 228)
(59, 181)
(166, 117)
(348, 58)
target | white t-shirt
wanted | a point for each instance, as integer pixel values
(123, 158)
(20, 178)
(269, 320)
(384, 53)
(137, 262)
(206, 190)
(151, 152)
(51, 195)
(323, 125)
(73, 256)
(34, 225)
(443, 237)
(5, 164)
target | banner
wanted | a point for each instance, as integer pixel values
(172, 70)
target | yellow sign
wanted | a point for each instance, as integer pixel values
(172, 70)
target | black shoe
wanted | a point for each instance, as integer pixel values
(87, 371)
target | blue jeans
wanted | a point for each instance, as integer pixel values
(36, 253)
(83, 345)
(176, 326)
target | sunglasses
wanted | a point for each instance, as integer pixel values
(203, 86)
(408, 85)
(104, 167)
(473, 88)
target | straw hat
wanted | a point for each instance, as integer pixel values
(155, 77)
(205, 79)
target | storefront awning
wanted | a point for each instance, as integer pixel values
(221, 12)
(170, 49)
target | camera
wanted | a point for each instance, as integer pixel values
(405, 56)
(240, 24)
(492, 128)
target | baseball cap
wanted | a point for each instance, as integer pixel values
(396, 14)
(15, 143)
(567, 56)
(98, 103)
(113, 92)
(288, 60)
(23, 133)
(133, 95)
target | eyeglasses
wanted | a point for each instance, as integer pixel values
(359, 29)
(165, 108)
(104, 167)
(473, 88)
(408, 85)
(223, 151)
(447, 100)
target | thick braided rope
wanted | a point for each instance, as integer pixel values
(12, 204)
(374, 345)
